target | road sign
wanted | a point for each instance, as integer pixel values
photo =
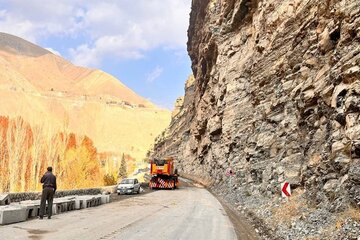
(285, 189)
(229, 172)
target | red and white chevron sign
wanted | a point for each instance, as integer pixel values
(285, 189)
(162, 182)
(229, 172)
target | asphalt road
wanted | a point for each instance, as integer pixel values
(189, 212)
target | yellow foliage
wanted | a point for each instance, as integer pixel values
(131, 166)
(26, 152)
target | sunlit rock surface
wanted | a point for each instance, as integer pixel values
(276, 98)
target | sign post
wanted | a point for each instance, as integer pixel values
(230, 173)
(285, 189)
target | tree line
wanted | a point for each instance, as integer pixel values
(26, 151)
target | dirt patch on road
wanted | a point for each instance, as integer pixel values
(35, 234)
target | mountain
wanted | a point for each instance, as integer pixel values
(48, 72)
(276, 98)
(49, 91)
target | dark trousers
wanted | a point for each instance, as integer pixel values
(47, 195)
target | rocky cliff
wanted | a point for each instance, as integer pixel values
(276, 97)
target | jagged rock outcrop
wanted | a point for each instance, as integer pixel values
(276, 97)
(170, 141)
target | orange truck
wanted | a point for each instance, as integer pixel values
(163, 173)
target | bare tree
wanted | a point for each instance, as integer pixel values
(4, 161)
(16, 137)
(39, 142)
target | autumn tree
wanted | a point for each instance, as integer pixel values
(81, 166)
(109, 180)
(26, 151)
(130, 164)
(110, 165)
(122, 169)
(19, 140)
(4, 156)
(38, 152)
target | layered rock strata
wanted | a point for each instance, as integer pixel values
(276, 97)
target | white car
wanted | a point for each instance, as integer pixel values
(128, 185)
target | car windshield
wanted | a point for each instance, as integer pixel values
(127, 181)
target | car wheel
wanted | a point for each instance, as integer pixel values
(138, 191)
(118, 193)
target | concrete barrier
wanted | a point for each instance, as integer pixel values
(97, 200)
(32, 207)
(79, 203)
(21, 211)
(104, 199)
(68, 203)
(87, 201)
(63, 205)
(12, 214)
(4, 199)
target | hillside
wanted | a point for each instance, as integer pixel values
(49, 72)
(52, 94)
(276, 98)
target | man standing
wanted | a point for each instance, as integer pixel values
(49, 188)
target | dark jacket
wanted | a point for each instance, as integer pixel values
(49, 180)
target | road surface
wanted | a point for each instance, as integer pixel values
(186, 213)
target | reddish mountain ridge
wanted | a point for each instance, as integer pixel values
(48, 91)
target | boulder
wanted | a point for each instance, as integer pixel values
(331, 185)
(337, 147)
(292, 168)
(354, 171)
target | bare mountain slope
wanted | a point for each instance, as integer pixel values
(49, 91)
(49, 72)
(19, 46)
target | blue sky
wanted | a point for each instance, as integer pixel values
(142, 42)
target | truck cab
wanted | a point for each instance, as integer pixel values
(163, 173)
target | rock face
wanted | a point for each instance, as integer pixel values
(276, 97)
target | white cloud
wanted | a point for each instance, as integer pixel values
(16, 26)
(34, 20)
(154, 74)
(110, 28)
(53, 51)
(116, 46)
